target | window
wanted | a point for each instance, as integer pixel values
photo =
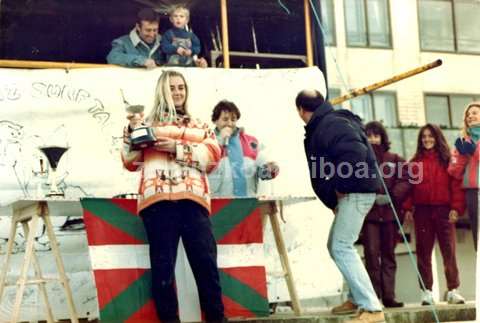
(447, 110)
(381, 106)
(328, 22)
(367, 23)
(334, 93)
(447, 25)
(437, 110)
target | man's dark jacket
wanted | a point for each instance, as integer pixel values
(333, 138)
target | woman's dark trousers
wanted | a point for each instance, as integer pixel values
(165, 222)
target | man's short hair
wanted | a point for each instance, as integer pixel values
(147, 14)
(309, 100)
(226, 106)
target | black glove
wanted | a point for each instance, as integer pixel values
(465, 147)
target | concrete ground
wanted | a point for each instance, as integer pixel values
(408, 314)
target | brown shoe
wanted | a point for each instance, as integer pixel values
(346, 308)
(368, 317)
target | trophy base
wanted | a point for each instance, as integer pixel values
(142, 145)
(142, 138)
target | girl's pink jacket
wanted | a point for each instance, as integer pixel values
(465, 167)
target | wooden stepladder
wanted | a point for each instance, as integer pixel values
(29, 214)
(273, 209)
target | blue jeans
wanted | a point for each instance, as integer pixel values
(350, 214)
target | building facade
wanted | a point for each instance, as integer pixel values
(372, 40)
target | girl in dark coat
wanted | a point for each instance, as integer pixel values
(380, 228)
(434, 204)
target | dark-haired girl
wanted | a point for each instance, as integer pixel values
(380, 228)
(435, 203)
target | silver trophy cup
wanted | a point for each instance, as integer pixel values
(142, 136)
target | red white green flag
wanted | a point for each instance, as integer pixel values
(119, 255)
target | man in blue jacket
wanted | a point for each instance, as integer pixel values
(141, 47)
(344, 177)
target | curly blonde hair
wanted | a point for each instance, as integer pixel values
(465, 126)
(163, 107)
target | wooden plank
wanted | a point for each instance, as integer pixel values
(61, 269)
(11, 240)
(24, 270)
(282, 251)
(39, 278)
(25, 213)
(308, 32)
(14, 63)
(225, 48)
(34, 281)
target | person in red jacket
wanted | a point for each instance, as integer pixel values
(380, 228)
(465, 163)
(434, 205)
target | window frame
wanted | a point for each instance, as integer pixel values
(333, 89)
(476, 97)
(334, 29)
(367, 30)
(455, 37)
(394, 93)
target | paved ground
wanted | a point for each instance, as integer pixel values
(408, 314)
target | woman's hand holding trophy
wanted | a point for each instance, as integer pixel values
(141, 136)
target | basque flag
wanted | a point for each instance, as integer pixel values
(119, 255)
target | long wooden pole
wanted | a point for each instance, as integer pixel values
(225, 49)
(308, 32)
(374, 86)
(10, 63)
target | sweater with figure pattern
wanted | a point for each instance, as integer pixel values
(175, 176)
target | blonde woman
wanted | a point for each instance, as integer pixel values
(174, 198)
(465, 162)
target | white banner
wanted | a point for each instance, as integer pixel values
(83, 109)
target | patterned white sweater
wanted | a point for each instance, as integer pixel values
(179, 175)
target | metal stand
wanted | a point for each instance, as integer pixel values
(32, 212)
(261, 58)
